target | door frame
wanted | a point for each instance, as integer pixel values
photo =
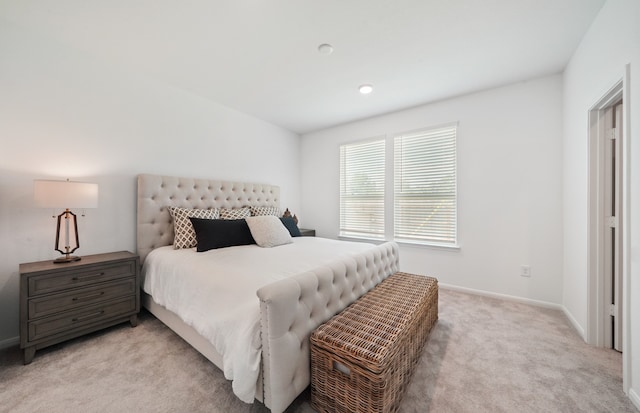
(596, 301)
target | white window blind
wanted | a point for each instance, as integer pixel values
(425, 186)
(362, 189)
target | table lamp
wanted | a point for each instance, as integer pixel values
(66, 194)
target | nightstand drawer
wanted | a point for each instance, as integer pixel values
(52, 282)
(66, 322)
(81, 297)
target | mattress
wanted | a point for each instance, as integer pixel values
(215, 293)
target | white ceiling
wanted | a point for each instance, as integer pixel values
(260, 56)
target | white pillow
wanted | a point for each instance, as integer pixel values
(268, 231)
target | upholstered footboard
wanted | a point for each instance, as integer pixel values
(292, 308)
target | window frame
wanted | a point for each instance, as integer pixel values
(352, 234)
(392, 138)
(389, 188)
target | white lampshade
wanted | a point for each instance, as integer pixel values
(65, 194)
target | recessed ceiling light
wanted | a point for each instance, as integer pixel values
(325, 48)
(365, 89)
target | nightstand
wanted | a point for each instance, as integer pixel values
(307, 232)
(62, 301)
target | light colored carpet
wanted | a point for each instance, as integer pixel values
(484, 355)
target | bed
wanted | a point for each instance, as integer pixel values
(285, 297)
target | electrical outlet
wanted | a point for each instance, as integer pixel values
(525, 271)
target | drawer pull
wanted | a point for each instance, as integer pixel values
(88, 296)
(85, 317)
(87, 277)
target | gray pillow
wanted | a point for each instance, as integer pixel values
(290, 224)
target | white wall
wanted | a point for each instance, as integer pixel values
(63, 115)
(599, 62)
(510, 187)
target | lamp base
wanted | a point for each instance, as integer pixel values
(66, 259)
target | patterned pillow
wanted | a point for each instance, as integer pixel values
(236, 213)
(185, 236)
(265, 210)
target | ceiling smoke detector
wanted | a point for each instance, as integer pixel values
(365, 89)
(325, 48)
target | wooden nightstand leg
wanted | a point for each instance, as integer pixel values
(29, 353)
(133, 320)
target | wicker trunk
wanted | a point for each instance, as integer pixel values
(362, 359)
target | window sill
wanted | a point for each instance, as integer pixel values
(444, 247)
(358, 239)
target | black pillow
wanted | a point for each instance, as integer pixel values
(291, 226)
(220, 233)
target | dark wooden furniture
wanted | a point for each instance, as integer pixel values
(307, 232)
(363, 358)
(62, 301)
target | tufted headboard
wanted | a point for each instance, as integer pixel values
(156, 193)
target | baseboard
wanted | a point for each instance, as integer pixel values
(635, 398)
(574, 323)
(537, 303)
(9, 342)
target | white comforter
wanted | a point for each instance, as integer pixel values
(215, 293)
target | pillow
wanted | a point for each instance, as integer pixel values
(221, 233)
(236, 213)
(291, 225)
(268, 231)
(184, 236)
(265, 210)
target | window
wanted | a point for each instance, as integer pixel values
(421, 207)
(424, 189)
(362, 178)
